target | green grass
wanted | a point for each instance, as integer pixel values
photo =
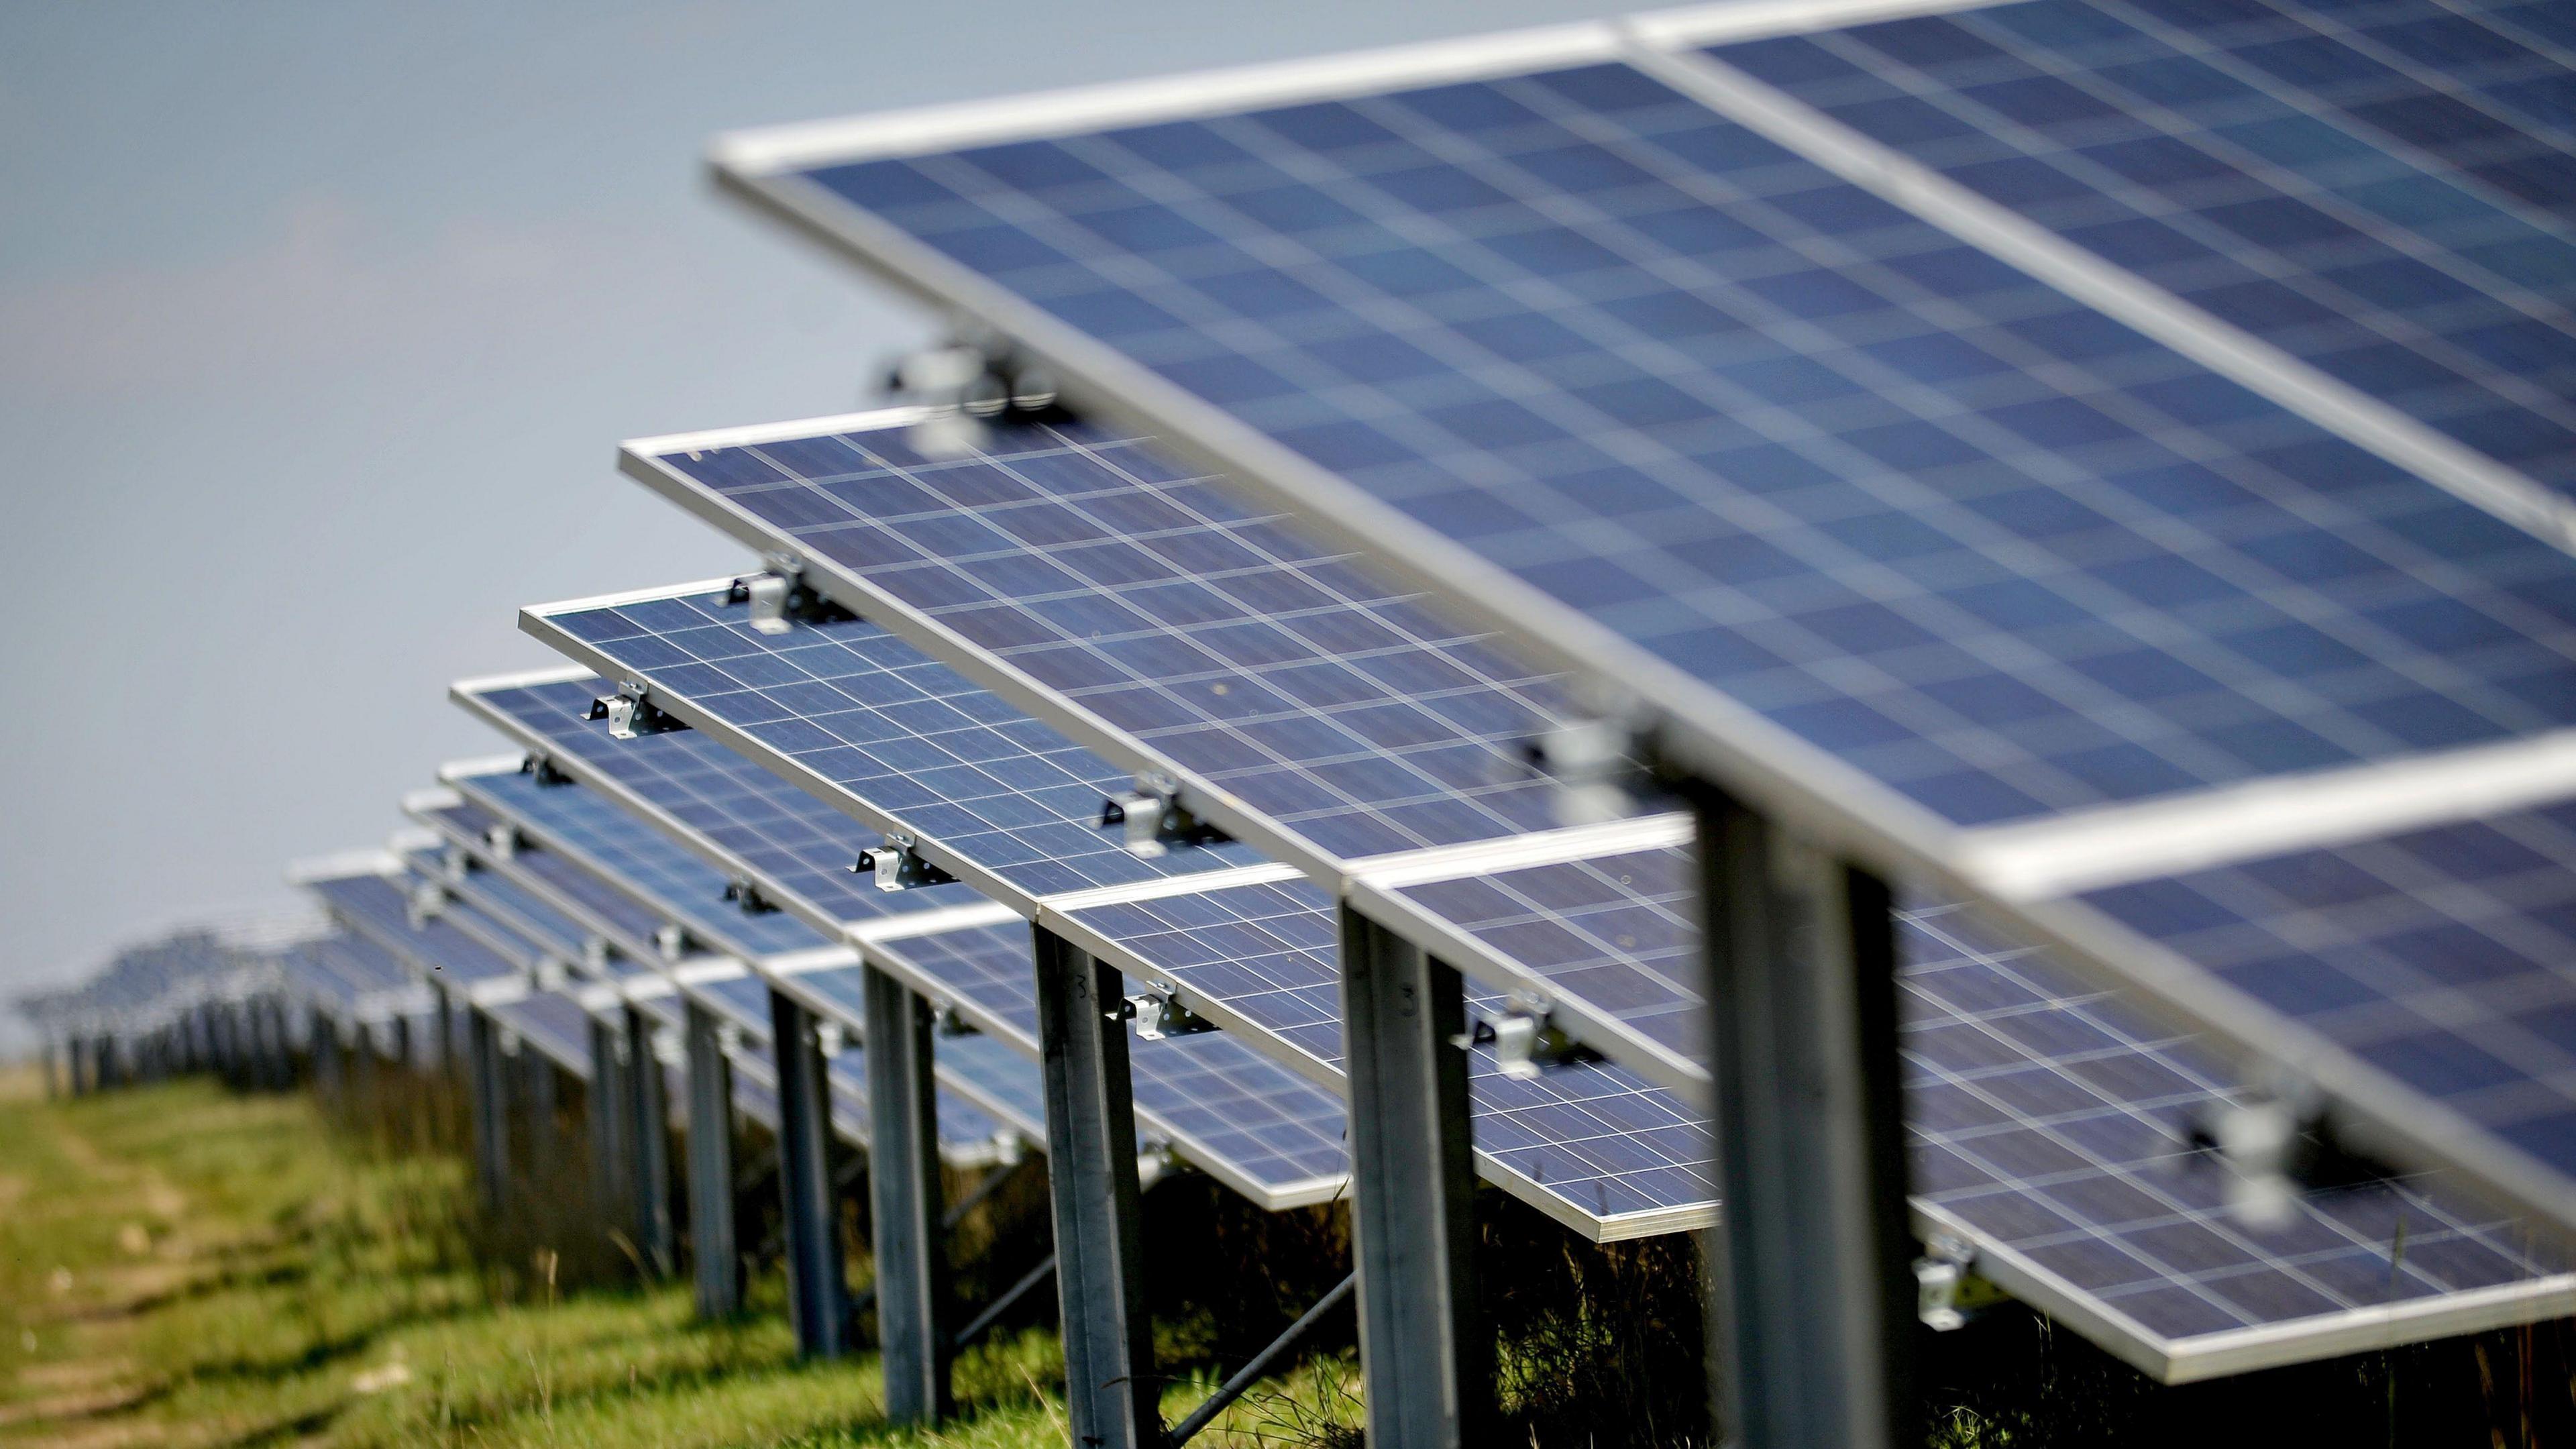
(183, 1267)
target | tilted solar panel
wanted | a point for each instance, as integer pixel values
(2063, 1138)
(1902, 538)
(814, 704)
(974, 1087)
(683, 776)
(1269, 1135)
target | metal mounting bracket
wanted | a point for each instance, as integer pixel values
(631, 712)
(549, 975)
(898, 865)
(1525, 1039)
(1160, 1014)
(1941, 1282)
(1595, 765)
(595, 954)
(976, 377)
(1155, 818)
(428, 898)
(542, 769)
(747, 897)
(671, 939)
(502, 839)
(830, 1038)
(780, 599)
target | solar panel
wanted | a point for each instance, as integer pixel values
(590, 837)
(2439, 955)
(975, 1085)
(376, 906)
(2055, 1132)
(1325, 714)
(2379, 192)
(1268, 1134)
(553, 1024)
(683, 776)
(723, 808)
(1589, 1143)
(901, 741)
(1625, 1158)
(1894, 537)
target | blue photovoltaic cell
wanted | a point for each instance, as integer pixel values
(2007, 556)
(2386, 191)
(591, 828)
(891, 728)
(1219, 1097)
(1592, 1134)
(381, 908)
(1228, 644)
(2444, 957)
(786, 837)
(2047, 1121)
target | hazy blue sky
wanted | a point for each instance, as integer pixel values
(318, 326)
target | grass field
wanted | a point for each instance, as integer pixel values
(180, 1266)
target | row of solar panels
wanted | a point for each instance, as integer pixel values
(2053, 1131)
(1741, 381)
(2106, 459)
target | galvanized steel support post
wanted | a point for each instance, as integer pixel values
(1110, 1389)
(818, 1291)
(1812, 1317)
(903, 1171)
(611, 1109)
(1413, 1181)
(489, 1088)
(712, 1247)
(649, 1148)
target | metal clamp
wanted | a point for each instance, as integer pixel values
(2260, 1143)
(631, 712)
(454, 864)
(427, 899)
(1941, 1282)
(541, 768)
(898, 865)
(508, 1041)
(1155, 817)
(1526, 1040)
(1159, 1014)
(672, 940)
(549, 975)
(595, 954)
(781, 599)
(728, 1037)
(1594, 764)
(502, 839)
(974, 378)
(747, 897)
(830, 1037)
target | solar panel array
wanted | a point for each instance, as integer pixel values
(1591, 1144)
(1891, 515)
(979, 1090)
(1272, 1137)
